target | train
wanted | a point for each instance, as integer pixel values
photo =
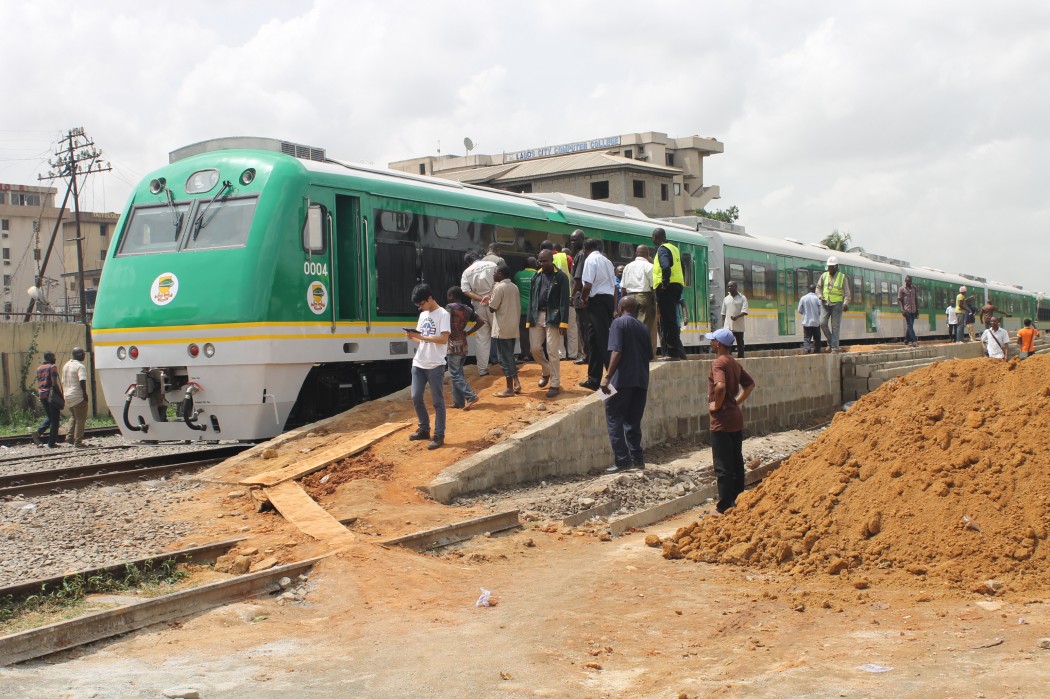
(254, 284)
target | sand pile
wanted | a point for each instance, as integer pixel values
(941, 477)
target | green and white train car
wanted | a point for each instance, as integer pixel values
(247, 289)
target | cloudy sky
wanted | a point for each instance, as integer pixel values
(921, 128)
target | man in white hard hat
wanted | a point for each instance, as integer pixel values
(834, 293)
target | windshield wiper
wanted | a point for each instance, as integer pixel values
(176, 215)
(198, 223)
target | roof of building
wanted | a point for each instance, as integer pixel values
(547, 167)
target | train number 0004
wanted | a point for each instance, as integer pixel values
(315, 268)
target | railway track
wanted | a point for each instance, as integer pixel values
(75, 477)
(24, 439)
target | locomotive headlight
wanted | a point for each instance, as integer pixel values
(133, 352)
(193, 349)
(157, 186)
(209, 350)
(248, 176)
(122, 353)
(201, 181)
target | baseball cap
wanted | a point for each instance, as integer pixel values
(723, 335)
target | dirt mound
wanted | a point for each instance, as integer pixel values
(941, 478)
(364, 465)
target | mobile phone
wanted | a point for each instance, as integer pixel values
(411, 330)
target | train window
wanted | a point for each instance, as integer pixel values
(626, 251)
(153, 229)
(884, 294)
(314, 230)
(802, 281)
(446, 228)
(396, 221)
(761, 286)
(223, 224)
(504, 235)
(736, 274)
(687, 268)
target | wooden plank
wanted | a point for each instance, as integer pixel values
(301, 510)
(460, 531)
(16, 648)
(315, 462)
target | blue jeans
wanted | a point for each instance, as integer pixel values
(832, 312)
(461, 390)
(436, 378)
(909, 332)
(960, 332)
(505, 351)
(52, 418)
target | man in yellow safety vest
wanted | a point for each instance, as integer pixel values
(833, 290)
(668, 282)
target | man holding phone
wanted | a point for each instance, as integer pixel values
(428, 364)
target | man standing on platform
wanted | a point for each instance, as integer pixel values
(548, 320)
(477, 283)
(637, 281)
(834, 293)
(908, 300)
(523, 280)
(582, 318)
(728, 386)
(734, 308)
(74, 384)
(428, 365)
(668, 282)
(630, 353)
(809, 307)
(599, 289)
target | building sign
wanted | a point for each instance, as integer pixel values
(564, 149)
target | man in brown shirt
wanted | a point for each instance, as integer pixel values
(728, 386)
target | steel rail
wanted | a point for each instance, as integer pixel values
(51, 480)
(35, 643)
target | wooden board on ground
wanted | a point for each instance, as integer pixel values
(301, 510)
(315, 462)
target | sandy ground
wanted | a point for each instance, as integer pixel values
(576, 616)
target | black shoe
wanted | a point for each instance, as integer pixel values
(590, 385)
(419, 434)
(640, 465)
(436, 442)
(553, 391)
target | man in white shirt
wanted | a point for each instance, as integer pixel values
(637, 281)
(599, 291)
(996, 341)
(734, 308)
(428, 365)
(74, 390)
(477, 284)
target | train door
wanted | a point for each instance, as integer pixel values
(352, 261)
(871, 305)
(786, 298)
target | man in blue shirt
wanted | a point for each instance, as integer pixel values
(630, 353)
(809, 307)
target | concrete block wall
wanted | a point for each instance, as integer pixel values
(575, 441)
(23, 345)
(863, 372)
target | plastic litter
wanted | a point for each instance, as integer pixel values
(848, 404)
(485, 600)
(325, 478)
(970, 524)
(872, 667)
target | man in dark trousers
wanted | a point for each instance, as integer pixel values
(599, 290)
(576, 241)
(668, 282)
(630, 353)
(728, 386)
(47, 381)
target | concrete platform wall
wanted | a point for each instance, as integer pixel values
(789, 391)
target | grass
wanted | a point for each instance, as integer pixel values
(14, 421)
(68, 598)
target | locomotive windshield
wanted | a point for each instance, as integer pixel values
(162, 229)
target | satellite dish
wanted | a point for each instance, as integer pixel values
(468, 144)
(35, 293)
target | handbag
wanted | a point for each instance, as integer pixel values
(55, 398)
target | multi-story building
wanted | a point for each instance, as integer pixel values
(659, 175)
(28, 216)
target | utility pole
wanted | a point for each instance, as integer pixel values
(75, 157)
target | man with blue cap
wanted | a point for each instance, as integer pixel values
(728, 386)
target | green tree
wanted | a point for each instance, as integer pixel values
(729, 215)
(840, 241)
